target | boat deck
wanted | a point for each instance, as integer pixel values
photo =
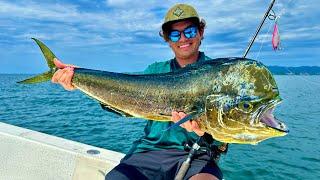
(27, 154)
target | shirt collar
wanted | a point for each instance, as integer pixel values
(174, 65)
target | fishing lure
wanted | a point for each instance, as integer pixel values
(276, 36)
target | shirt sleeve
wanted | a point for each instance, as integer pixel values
(157, 67)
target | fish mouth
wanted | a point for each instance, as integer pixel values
(267, 118)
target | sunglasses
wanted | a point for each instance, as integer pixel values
(189, 32)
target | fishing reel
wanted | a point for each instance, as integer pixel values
(206, 145)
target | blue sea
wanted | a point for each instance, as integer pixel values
(49, 109)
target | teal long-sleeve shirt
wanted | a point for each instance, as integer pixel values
(155, 138)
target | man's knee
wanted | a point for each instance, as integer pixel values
(203, 176)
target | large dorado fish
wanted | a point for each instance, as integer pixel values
(232, 98)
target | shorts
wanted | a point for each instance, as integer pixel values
(161, 165)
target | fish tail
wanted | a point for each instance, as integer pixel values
(49, 56)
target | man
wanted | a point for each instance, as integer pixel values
(159, 154)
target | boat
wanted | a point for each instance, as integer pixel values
(28, 154)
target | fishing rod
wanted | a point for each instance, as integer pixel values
(258, 29)
(201, 146)
(197, 145)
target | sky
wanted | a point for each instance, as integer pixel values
(123, 35)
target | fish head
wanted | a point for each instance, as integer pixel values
(242, 112)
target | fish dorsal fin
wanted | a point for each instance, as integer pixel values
(114, 110)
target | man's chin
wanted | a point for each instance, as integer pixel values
(185, 54)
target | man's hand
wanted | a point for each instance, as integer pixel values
(64, 75)
(190, 126)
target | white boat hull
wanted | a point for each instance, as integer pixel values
(27, 154)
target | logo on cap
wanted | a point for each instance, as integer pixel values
(178, 12)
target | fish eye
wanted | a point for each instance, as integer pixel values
(245, 106)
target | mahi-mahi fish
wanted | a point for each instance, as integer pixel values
(232, 99)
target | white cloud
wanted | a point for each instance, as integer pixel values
(117, 3)
(131, 26)
(32, 10)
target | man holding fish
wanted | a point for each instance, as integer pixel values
(229, 100)
(159, 153)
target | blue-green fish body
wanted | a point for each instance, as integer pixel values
(231, 98)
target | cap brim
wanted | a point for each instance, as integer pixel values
(166, 25)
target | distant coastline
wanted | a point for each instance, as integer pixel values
(276, 70)
(301, 70)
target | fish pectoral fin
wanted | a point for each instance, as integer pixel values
(190, 116)
(114, 110)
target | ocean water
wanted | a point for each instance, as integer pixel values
(49, 109)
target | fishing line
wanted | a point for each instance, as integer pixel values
(263, 40)
(284, 9)
(282, 12)
(272, 16)
(258, 29)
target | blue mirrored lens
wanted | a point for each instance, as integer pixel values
(174, 36)
(189, 32)
(175, 39)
